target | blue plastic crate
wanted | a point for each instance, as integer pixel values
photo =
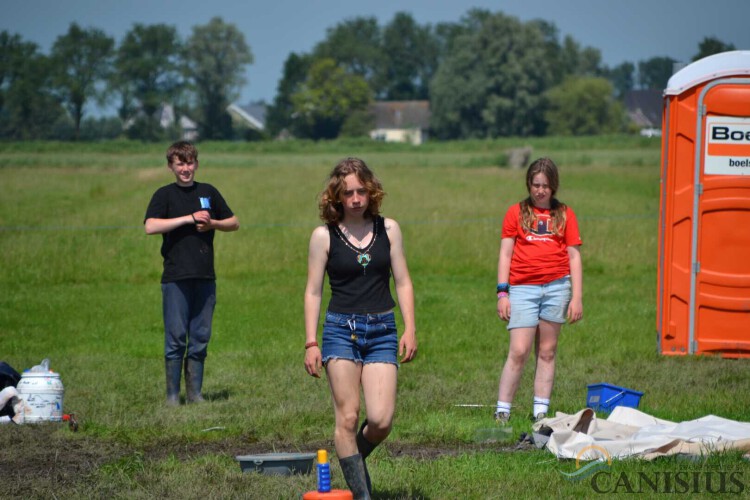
(604, 397)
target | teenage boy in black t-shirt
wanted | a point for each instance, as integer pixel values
(186, 213)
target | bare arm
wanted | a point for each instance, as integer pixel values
(226, 225)
(575, 309)
(160, 226)
(201, 219)
(316, 266)
(503, 274)
(404, 291)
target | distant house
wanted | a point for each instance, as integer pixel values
(252, 115)
(401, 121)
(167, 119)
(644, 108)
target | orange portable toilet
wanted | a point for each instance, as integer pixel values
(703, 302)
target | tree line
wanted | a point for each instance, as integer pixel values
(45, 96)
(486, 75)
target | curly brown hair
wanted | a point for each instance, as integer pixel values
(557, 208)
(331, 199)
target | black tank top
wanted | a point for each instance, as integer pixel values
(360, 279)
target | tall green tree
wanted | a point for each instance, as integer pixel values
(356, 46)
(148, 75)
(711, 45)
(280, 113)
(327, 98)
(579, 61)
(410, 59)
(28, 109)
(216, 55)
(622, 78)
(446, 33)
(553, 51)
(81, 59)
(13, 52)
(493, 80)
(583, 106)
(654, 73)
(568, 58)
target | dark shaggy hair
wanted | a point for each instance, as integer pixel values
(183, 151)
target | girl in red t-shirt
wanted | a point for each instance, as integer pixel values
(540, 284)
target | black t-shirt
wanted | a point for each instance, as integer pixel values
(356, 289)
(187, 253)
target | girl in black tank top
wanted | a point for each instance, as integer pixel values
(360, 251)
(359, 277)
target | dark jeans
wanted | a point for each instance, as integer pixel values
(188, 308)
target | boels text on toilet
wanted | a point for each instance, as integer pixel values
(727, 146)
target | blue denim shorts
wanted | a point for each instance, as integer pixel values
(362, 338)
(530, 303)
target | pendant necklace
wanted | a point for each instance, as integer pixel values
(363, 254)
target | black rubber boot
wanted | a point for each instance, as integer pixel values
(194, 380)
(365, 448)
(354, 472)
(173, 368)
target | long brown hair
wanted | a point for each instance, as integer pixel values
(557, 208)
(331, 199)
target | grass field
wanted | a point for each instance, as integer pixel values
(80, 282)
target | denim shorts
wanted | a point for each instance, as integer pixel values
(362, 338)
(530, 303)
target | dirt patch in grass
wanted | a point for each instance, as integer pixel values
(235, 446)
(40, 458)
(50, 458)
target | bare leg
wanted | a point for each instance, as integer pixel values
(546, 349)
(521, 340)
(379, 386)
(344, 378)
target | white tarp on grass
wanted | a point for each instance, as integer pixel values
(628, 432)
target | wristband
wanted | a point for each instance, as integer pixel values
(503, 287)
(194, 221)
(311, 344)
(502, 294)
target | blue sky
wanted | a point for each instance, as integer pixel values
(630, 30)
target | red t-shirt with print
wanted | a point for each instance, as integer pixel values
(539, 256)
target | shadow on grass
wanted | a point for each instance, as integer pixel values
(398, 494)
(217, 395)
(222, 395)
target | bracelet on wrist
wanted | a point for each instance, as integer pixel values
(311, 344)
(500, 295)
(503, 287)
(194, 221)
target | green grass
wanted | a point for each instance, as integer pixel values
(80, 286)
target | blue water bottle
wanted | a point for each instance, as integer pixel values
(324, 472)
